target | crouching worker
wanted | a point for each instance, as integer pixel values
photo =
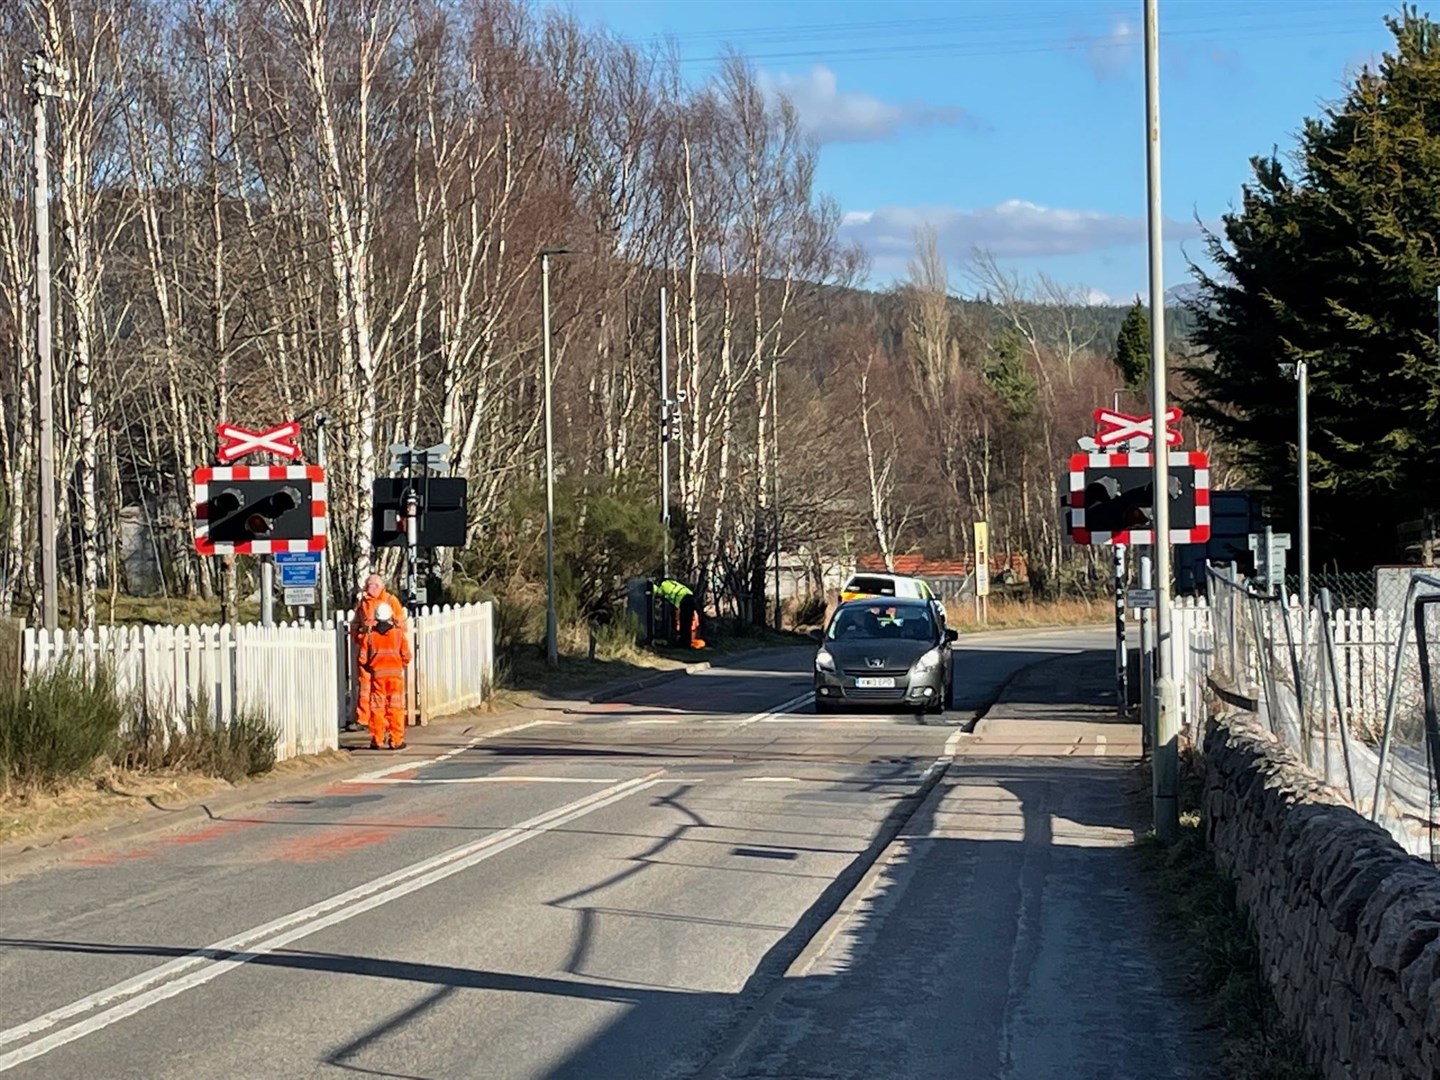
(385, 656)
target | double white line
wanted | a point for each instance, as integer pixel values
(105, 1007)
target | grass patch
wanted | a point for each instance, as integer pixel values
(243, 748)
(1198, 907)
(56, 725)
(72, 747)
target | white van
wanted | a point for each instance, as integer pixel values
(869, 583)
(876, 583)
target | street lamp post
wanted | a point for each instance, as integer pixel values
(552, 647)
(1165, 757)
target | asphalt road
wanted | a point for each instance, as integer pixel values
(608, 891)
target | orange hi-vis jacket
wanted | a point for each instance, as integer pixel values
(387, 653)
(364, 617)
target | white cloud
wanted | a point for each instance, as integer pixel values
(1015, 229)
(833, 115)
(1096, 298)
(1112, 54)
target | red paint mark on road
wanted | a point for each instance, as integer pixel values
(327, 845)
(114, 857)
(331, 842)
(211, 832)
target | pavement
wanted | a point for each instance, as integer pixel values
(701, 879)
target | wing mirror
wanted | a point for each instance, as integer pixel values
(951, 634)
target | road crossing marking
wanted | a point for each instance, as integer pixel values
(799, 701)
(184, 973)
(503, 778)
(425, 763)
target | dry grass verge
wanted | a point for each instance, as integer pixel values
(1219, 954)
(1009, 614)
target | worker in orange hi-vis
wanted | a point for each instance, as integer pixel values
(361, 621)
(386, 656)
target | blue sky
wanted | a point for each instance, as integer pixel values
(1019, 125)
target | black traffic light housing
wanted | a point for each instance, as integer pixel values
(441, 503)
(1122, 499)
(1110, 507)
(242, 510)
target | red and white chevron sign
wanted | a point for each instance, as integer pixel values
(236, 442)
(1118, 427)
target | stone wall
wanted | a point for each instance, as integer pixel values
(1348, 923)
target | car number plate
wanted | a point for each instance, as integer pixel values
(875, 683)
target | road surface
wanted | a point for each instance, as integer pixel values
(607, 891)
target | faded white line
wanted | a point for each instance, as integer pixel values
(197, 968)
(829, 782)
(505, 779)
(1099, 745)
(886, 720)
(799, 701)
(425, 763)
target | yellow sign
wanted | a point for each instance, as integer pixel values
(982, 558)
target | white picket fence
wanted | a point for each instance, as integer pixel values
(1364, 652)
(300, 678)
(454, 658)
(284, 673)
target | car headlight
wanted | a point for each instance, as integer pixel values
(824, 661)
(929, 662)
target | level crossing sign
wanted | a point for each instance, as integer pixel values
(1118, 427)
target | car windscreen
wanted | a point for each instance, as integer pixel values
(909, 622)
(875, 586)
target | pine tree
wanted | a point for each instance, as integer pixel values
(1132, 347)
(1337, 265)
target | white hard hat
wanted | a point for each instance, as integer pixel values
(384, 613)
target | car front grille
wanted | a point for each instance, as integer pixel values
(852, 694)
(870, 673)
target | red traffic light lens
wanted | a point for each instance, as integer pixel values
(258, 523)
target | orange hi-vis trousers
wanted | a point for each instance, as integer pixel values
(387, 707)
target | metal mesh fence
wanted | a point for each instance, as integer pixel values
(1346, 688)
(1346, 590)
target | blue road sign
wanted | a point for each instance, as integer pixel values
(298, 569)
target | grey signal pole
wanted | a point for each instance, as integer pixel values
(552, 647)
(1165, 763)
(45, 81)
(665, 418)
(1302, 408)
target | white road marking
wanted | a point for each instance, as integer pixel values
(425, 763)
(830, 720)
(501, 779)
(1099, 745)
(952, 744)
(797, 702)
(771, 780)
(830, 782)
(197, 968)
